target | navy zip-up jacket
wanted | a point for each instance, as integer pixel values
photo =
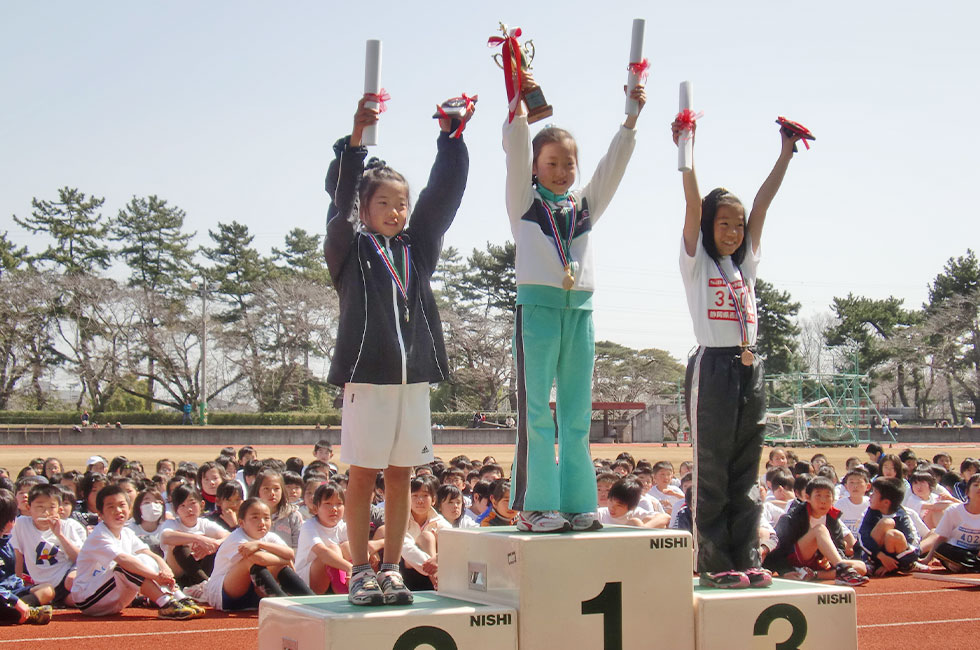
(381, 337)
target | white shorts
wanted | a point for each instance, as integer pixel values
(386, 425)
(117, 592)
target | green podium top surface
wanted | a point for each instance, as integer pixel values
(605, 531)
(338, 605)
(778, 586)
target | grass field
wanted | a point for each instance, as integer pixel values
(74, 457)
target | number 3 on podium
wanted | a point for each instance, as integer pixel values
(609, 603)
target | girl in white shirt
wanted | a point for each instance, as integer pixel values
(190, 541)
(253, 562)
(323, 556)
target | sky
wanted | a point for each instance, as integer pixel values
(229, 109)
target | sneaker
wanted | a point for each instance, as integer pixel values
(724, 580)
(394, 589)
(541, 521)
(196, 591)
(582, 521)
(848, 577)
(192, 605)
(758, 577)
(801, 573)
(38, 615)
(364, 589)
(176, 611)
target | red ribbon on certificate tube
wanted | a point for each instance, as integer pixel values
(641, 69)
(687, 118)
(462, 123)
(380, 97)
(513, 71)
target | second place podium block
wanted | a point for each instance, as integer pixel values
(615, 589)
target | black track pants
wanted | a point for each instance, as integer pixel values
(726, 406)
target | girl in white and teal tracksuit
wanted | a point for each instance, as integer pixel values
(554, 339)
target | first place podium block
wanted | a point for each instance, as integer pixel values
(434, 621)
(619, 588)
(788, 614)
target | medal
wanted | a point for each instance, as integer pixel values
(400, 280)
(747, 356)
(564, 247)
(569, 280)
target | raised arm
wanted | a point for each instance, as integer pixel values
(766, 193)
(692, 197)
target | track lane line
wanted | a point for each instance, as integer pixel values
(937, 622)
(108, 636)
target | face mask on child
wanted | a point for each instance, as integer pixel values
(151, 511)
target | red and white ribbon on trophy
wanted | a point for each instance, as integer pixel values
(513, 70)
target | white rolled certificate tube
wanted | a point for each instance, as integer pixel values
(685, 144)
(636, 56)
(372, 84)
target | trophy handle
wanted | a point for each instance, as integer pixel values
(528, 53)
(499, 60)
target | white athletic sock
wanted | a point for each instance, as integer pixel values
(162, 600)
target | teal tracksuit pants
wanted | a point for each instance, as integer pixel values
(553, 346)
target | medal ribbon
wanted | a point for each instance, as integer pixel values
(564, 247)
(513, 75)
(739, 306)
(401, 281)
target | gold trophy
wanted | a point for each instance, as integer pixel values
(538, 107)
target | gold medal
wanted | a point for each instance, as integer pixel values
(747, 357)
(569, 280)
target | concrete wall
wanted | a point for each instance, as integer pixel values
(927, 435)
(220, 436)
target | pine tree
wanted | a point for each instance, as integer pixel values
(76, 226)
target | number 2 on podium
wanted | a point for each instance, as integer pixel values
(609, 603)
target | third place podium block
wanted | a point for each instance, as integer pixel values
(788, 614)
(434, 621)
(618, 588)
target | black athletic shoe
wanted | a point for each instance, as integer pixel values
(724, 580)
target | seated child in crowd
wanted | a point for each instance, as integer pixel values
(253, 562)
(114, 566)
(46, 547)
(17, 602)
(812, 540)
(190, 542)
(450, 504)
(956, 540)
(500, 513)
(323, 555)
(228, 499)
(855, 503)
(887, 535)
(924, 501)
(149, 513)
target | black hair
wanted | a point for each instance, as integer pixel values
(491, 467)
(896, 462)
(67, 496)
(549, 135)
(482, 489)
(294, 464)
(819, 483)
(782, 480)
(924, 477)
(292, 478)
(376, 172)
(182, 493)
(499, 488)
(228, 489)
(801, 467)
(892, 489)
(938, 457)
(283, 508)
(247, 505)
(322, 444)
(105, 493)
(858, 471)
(165, 460)
(610, 477)
(204, 469)
(800, 482)
(52, 491)
(428, 483)
(828, 471)
(8, 508)
(907, 454)
(663, 464)
(252, 468)
(778, 470)
(970, 463)
(627, 490)
(316, 467)
(445, 493)
(29, 481)
(873, 448)
(709, 211)
(247, 449)
(86, 486)
(326, 491)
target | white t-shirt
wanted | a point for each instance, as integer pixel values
(606, 518)
(672, 498)
(961, 528)
(204, 527)
(44, 558)
(852, 514)
(228, 557)
(148, 538)
(648, 505)
(98, 557)
(711, 304)
(311, 534)
(771, 512)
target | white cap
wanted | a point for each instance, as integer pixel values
(96, 459)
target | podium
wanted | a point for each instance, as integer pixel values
(619, 588)
(788, 614)
(434, 621)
